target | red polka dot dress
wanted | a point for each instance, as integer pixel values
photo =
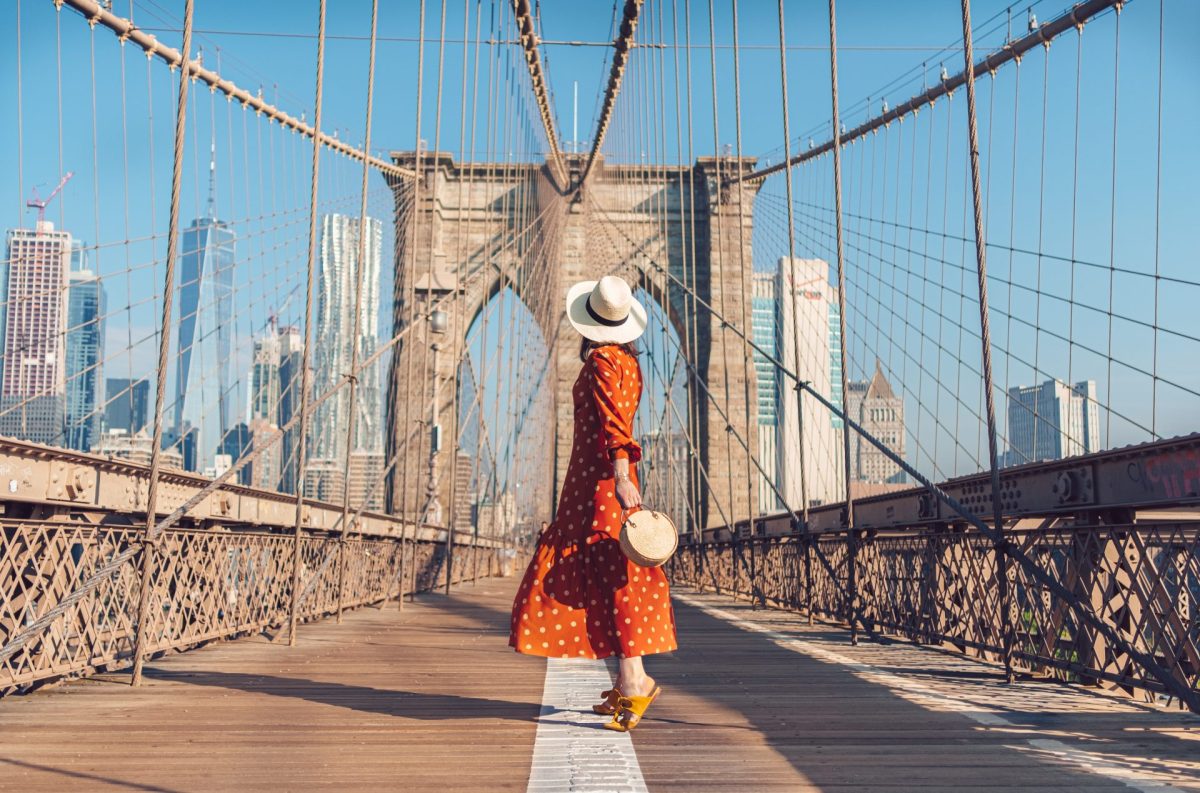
(581, 597)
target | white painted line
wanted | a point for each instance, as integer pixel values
(1099, 764)
(927, 697)
(572, 750)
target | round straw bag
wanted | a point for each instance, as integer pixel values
(648, 538)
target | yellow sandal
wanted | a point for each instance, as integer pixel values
(630, 711)
(609, 706)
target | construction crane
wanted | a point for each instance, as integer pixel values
(40, 203)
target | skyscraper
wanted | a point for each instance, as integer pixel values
(835, 358)
(204, 394)
(764, 327)
(264, 378)
(1051, 421)
(85, 352)
(33, 383)
(234, 445)
(878, 410)
(807, 330)
(291, 348)
(127, 404)
(273, 397)
(334, 344)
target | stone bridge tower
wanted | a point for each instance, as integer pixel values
(458, 244)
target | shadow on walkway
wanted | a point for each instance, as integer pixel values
(85, 777)
(836, 730)
(365, 699)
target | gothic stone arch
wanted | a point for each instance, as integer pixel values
(466, 217)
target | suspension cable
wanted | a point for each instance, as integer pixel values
(306, 347)
(163, 345)
(360, 270)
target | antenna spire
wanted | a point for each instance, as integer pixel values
(212, 179)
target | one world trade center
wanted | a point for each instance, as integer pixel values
(203, 374)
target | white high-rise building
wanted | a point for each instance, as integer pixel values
(807, 332)
(335, 325)
(34, 306)
(334, 345)
(764, 327)
(1051, 421)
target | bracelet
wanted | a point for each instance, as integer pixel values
(621, 477)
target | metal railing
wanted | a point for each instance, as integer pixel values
(1110, 539)
(224, 573)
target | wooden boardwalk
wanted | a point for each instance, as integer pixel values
(433, 699)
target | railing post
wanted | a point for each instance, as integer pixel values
(405, 548)
(306, 354)
(149, 537)
(412, 565)
(985, 336)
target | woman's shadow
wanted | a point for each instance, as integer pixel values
(365, 699)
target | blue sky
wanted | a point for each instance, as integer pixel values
(271, 45)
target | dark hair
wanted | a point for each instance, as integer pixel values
(586, 345)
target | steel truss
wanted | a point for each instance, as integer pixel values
(224, 571)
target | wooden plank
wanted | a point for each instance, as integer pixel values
(745, 712)
(425, 698)
(432, 698)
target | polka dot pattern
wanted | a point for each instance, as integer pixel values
(580, 596)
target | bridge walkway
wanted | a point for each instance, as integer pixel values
(432, 698)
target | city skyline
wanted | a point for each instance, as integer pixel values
(1028, 342)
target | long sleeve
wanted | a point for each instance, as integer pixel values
(615, 392)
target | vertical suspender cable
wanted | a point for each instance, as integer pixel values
(720, 245)
(693, 314)
(1157, 231)
(841, 273)
(791, 228)
(433, 347)
(306, 347)
(461, 308)
(747, 363)
(354, 335)
(410, 308)
(148, 537)
(1112, 226)
(986, 338)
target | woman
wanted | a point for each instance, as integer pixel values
(581, 597)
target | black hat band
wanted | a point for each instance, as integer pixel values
(612, 323)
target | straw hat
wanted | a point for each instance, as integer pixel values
(605, 311)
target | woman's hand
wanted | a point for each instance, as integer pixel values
(627, 493)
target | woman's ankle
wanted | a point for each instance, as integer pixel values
(638, 687)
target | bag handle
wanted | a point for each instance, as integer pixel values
(625, 513)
